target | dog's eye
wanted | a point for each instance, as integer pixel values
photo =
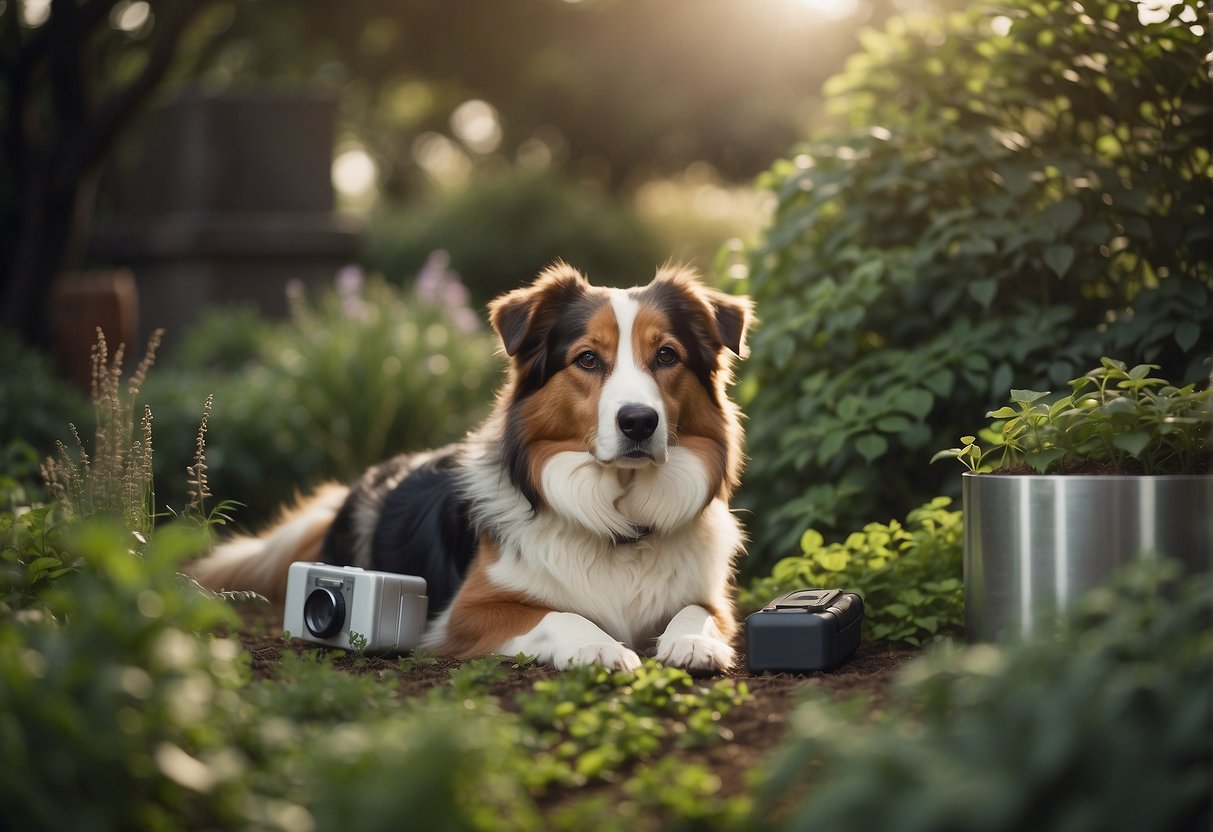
(587, 361)
(667, 356)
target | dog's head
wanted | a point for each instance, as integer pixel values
(622, 374)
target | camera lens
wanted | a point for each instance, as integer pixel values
(324, 613)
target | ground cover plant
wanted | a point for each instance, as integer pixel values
(1024, 189)
(908, 575)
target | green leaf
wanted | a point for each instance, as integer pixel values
(915, 401)
(1042, 460)
(1059, 258)
(830, 446)
(1063, 215)
(1027, 396)
(894, 424)
(940, 382)
(871, 446)
(811, 541)
(983, 291)
(1134, 442)
(849, 407)
(40, 565)
(1187, 334)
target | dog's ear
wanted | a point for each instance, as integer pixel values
(717, 318)
(523, 317)
(732, 316)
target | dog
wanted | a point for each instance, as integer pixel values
(587, 520)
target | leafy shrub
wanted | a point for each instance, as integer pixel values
(1122, 418)
(1007, 206)
(1105, 728)
(355, 376)
(109, 697)
(33, 555)
(501, 231)
(909, 576)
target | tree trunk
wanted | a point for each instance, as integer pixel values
(54, 162)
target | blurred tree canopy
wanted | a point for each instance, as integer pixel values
(620, 89)
(627, 87)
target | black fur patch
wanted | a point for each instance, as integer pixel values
(423, 526)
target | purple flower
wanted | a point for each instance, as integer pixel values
(464, 319)
(433, 276)
(350, 280)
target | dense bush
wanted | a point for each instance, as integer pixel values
(355, 376)
(909, 576)
(113, 712)
(1024, 191)
(500, 231)
(1105, 728)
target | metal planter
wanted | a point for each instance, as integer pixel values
(1033, 544)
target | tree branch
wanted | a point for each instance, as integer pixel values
(42, 40)
(115, 111)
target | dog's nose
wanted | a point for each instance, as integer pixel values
(637, 421)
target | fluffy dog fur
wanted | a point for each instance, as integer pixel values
(587, 521)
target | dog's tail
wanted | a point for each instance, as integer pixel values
(260, 563)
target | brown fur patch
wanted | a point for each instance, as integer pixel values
(726, 620)
(483, 616)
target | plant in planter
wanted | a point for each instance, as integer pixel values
(1065, 490)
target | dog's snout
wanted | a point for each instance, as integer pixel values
(637, 422)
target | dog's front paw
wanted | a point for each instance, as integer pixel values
(609, 654)
(696, 652)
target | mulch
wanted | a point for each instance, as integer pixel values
(756, 727)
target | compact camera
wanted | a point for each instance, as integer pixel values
(326, 604)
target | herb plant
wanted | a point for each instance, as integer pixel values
(909, 576)
(1121, 419)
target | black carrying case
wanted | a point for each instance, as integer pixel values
(803, 631)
